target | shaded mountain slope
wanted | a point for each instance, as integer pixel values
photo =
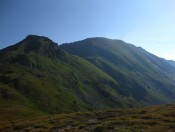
(141, 75)
(171, 62)
(37, 77)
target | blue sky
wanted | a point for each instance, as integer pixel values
(146, 23)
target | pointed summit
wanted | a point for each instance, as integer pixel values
(32, 37)
(36, 44)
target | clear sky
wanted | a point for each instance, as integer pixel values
(146, 23)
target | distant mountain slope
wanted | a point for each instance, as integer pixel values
(171, 62)
(141, 75)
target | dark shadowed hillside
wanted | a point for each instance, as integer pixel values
(38, 77)
(141, 75)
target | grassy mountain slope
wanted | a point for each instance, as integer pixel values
(142, 76)
(150, 119)
(38, 78)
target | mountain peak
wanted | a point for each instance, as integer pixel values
(104, 39)
(42, 45)
(37, 37)
(37, 44)
(31, 36)
(93, 74)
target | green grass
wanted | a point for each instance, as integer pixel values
(50, 80)
(148, 119)
(139, 74)
(37, 78)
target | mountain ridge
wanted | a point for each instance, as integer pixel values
(38, 77)
(120, 55)
(51, 82)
